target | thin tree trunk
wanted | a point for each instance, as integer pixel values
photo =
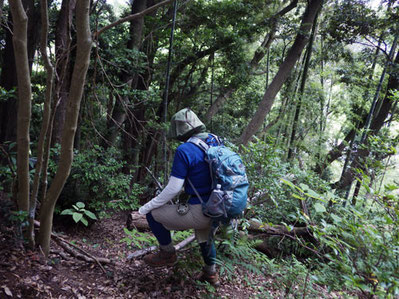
(20, 39)
(45, 121)
(291, 143)
(322, 103)
(292, 87)
(136, 120)
(84, 43)
(283, 73)
(374, 127)
(8, 80)
(133, 119)
(46, 157)
(63, 51)
(366, 97)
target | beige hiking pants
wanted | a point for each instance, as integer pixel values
(194, 219)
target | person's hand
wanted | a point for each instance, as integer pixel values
(143, 210)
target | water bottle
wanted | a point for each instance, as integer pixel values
(215, 205)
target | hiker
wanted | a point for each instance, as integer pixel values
(188, 164)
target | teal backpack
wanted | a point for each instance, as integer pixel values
(228, 199)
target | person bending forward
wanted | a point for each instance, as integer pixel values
(188, 164)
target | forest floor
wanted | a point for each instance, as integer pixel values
(25, 274)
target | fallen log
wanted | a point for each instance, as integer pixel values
(259, 227)
(137, 221)
(144, 251)
(266, 249)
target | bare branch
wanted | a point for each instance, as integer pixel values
(132, 17)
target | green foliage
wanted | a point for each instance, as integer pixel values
(137, 239)
(19, 217)
(271, 190)
(351, 19)
(97, 180)
(290, 277)
(359, 242)
(239, 252)
(78, 213)
(361, 245)
(21, 221)
(7, 94)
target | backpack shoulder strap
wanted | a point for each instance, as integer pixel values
(199, 142)
(205, 144)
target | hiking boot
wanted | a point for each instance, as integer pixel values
(161, 258)
(212, 278)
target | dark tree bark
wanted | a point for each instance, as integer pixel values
(121, 114)
(20, 41)
(1, 8)
(63, 67)
(135, 117)
(45, 121)
(291, 141)
(284, 71)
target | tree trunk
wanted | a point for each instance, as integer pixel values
(283, 72)
(292, 89)
(256, 59)
(45, 121)
(366, 97)
(136, 116)
(84, 44)
(291, 142)
(376, 124)
(20, 41)
(8, 80)
(63, 78)
(120, 112)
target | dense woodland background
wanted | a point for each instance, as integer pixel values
(306, 91)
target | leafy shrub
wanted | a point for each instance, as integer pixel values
(78, 213)
(357, 245)
(362, 249)
(97, 180)
(271, 199)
